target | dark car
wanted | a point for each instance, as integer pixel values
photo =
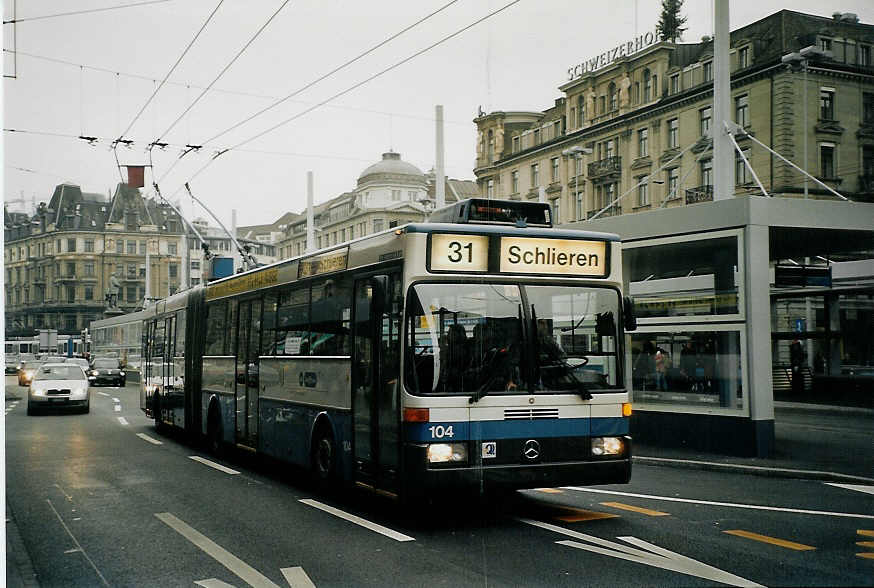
(106, 370)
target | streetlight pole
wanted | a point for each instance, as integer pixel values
(577, 151)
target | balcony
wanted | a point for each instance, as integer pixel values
(699, 194)
(605, 167)
(67, 278)
(614, 210)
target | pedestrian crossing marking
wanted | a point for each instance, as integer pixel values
(865, 533)
(577, 515)
(640, 509)
(550, 490)
(771, 540)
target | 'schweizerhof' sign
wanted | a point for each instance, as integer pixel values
(245, 283)
(323, 264)
(604, 59)
(525, 255)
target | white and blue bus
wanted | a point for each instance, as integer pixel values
(481, 350)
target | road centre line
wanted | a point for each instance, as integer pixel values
(856, 487)
(297, 577)
(103, 393)
(358, 520)
(213, 464)
(145, 437)
(726, 504)
(770, 540)
(237, 566)
(122, 420)
(214, 583)
(641, 510)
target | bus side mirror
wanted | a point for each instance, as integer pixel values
(629, 313)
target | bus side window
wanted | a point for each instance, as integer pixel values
(330, 316)
(268, 325)
(216, 325)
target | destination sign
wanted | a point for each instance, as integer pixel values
(459, 253)
(525, 255)
(244, 283)
(328, 262)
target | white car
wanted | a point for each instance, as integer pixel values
(58, 385)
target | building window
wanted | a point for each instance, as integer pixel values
(490, 189)
(132, 270)
(827, 160)
(378, 225)
(535, 175)
(707, 172)
(647, 86)
(675, 83)
(71, 294)
(195, 265)
(131, 293)
(143, 247)
(579, 204)
(708, 71)
(537, 136)
(142, 271)
(396, 194)
(573, 116)
(514, 181)
(705, 120)
(865, 55)
(411, 195)
(172, 270)
(867, 108)
(643, 142)
(556, 210)
(195, 281)
(119, 246)
(70, 322)
(609, 148)
(603, 104)
(673, 182)
(343, 234)
(742, 174)
(89, 245)
(581, 111)
(171, 248)
(555, 174)
(516, 144)
(71, 245)
(742, 111)
(89, 268)
(826, 104)
(642, 191)
(89, 293)
(825, 44)
(614, 97)
(71, 269)
(743, 57)
(132, 247)
(673, 133)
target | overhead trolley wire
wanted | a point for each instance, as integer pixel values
(333, 71)
(86, 11)
(347, 90)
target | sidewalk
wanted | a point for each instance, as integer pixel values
(812, 441)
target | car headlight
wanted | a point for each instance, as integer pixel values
(121, 374)
(447, 452)
(28, 374)
(37, 392)
(607, 446)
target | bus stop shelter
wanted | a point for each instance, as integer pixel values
(732, 296)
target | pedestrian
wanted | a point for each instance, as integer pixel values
(661, 368)
(796, 361)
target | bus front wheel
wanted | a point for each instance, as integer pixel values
(324, 454)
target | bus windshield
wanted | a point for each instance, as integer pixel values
(508, 338)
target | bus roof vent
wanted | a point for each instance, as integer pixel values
(495, 212)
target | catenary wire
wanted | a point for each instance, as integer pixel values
(86, 11)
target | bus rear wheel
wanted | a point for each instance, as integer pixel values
(324, 455)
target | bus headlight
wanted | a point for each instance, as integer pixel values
(447, 453)
(606, 446)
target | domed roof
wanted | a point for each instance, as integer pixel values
(392, 164)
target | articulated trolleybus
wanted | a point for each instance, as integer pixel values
(482, 350)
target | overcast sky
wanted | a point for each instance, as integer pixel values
(514, 60)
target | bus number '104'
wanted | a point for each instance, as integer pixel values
(456, 255)
(439, 431)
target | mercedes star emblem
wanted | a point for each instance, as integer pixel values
(531, 450)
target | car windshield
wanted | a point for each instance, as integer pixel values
(106, 363)
(59, 372)
(505, 338)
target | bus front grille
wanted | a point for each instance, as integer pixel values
(511, 414)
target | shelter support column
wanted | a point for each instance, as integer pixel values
(833, 325)
(758, 337)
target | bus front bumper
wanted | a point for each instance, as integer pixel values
(423, 479)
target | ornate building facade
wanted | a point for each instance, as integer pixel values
(625, 115)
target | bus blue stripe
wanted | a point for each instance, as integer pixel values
(515, 429)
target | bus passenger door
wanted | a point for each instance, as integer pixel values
(247, 351)
(375, 418)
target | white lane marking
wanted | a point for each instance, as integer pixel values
(856, 487)
(728, 466)
(103, 393)
(115, 400)
(213, 464)
(74, 550)
(726, 504)
(122, 420)
(657, 557)
(76, 542)
(238, 567)
(117, 408)
(297, 578)
(358, 521)
(214, 583)
(145, 437)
